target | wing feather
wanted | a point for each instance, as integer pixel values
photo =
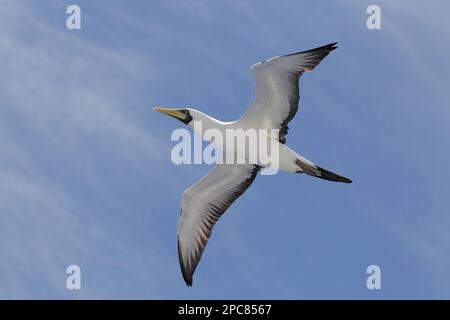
(201, 207)
(277, 88)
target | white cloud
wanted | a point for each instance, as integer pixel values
(64, 99)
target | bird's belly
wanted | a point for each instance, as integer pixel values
(265, 152)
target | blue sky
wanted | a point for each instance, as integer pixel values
(85, 170)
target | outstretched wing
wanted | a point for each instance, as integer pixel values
(203, 204)
(277, 88)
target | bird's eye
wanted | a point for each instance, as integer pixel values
(186, 111)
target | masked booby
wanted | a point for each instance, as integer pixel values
(276, 103)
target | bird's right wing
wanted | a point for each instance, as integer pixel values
(203, 204)
(277, 89)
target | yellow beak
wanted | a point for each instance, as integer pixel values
(176, 113)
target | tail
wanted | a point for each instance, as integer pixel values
(316, 171)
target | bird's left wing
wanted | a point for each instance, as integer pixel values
(203, 204)
(277, 89)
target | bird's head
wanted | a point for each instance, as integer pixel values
(185, 115)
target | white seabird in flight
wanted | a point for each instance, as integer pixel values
(276, 103)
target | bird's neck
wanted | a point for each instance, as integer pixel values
(204, 122)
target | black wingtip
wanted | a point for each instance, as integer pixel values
(327, 48)
(330, 46)
(187, 277)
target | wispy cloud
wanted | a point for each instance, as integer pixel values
(66, 110)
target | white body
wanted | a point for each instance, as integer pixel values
(286, 156)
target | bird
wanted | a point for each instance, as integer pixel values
(275, 105)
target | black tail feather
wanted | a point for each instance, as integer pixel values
(316, 171)
(327, 175)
